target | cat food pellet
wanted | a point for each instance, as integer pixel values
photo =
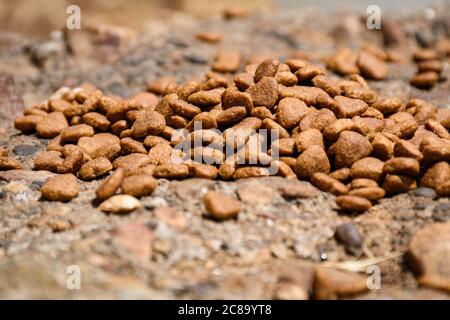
(110, 185)
(353, 203)
(95, 168)
(221, 206)
(139, 185)
(60, 188)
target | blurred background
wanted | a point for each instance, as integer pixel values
(39, 17)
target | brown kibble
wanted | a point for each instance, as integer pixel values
(430, 65)
(58, 104)
(210, 37)
(233, 98)
(250, 172)
(444, 189)
(207, 119)
(341, 175)
(4, 152)
(286, 78)
(298, 190)
(344, 62)
(309, 138)
(48, 160)
(397, 184)
(148, 170)
(151, 141)
(96, 120)
(353, 203)
(424, 54)
(332, 131)
(52, 125)
(327, 85)
(160, 85)
(437, 128)
(284, 170)
(435, 176)
(402, 166)
(363, 183)
(27, 123)
(307, 72)
(110, 185)
(131, 162)
(389, 105)
(425, 80)
(72, 134)
(171, 171)
(73, 159)
(60, 188)
(130, 145)
(245, 80)
(383, 148)
(349, 107)
(312, 160)
(262, 113)
(9, 164)
(264, 93)
(349, 148)
(95, 168)
(369, 193)
(119, 126)
(373, 113)
(221, 206)
(145, 100)
(371, 66)
(205, 98)
(148, 122)
(100, 145)
(228, 167)
(204, 171)
(284, 146)
(267, 68)
(231, 116)
(139, 185)
(405, 148)
(227, 61)
(317, 120)
(326, 183)
(290, 111)
(184, 109)
(272, 127)
(368, 168)
(160, 154)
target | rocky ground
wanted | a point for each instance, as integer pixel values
(169, 249)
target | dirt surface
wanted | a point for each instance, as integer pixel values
(169, 249)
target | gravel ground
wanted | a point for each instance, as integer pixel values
(169, 249)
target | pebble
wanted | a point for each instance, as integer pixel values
(441, 213)
(349, 235)
(221, 206)
(424, 192)
(25, 149)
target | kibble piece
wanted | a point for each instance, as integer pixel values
(95, 168)
(386, 106)
(383, 148)
(438, 129)
(58, 104)
(204, 171)
(3, 152)
(402, 166)
(27, 123)
(344, 62)
(444, 189)
(145, 100)
(72, 134)
(48, 160)
(244, 80)
(353, 203)
(158, 86)
(394, 184)
(231, 116)
(227, 61)
(286, 78)
(160, 154)
(205, 98)
(438, 174)
(369, 193)
(326, 84)
(290, 111)
(372, 113)
(362, 183)
(131, 162)
(250, 172)
(307, 72)
(332, 132)
(341, 175)
(211, 37)
(317, 120)
(110, 185)
(371, 66)
(130, 145)
(171, 171)
(326, 183)
(60, 188)
(119, 126)
(100, 145)
(9, 164)
(264, 93)
(120, 204)
(348, 107)
(52, 125)
(139, 185)
(273, 126)
(267, 68)
(309, 138)
(221, 206)
(430, 65)
(405, 148)
(261, 113)
(148, 123)
(349, 148)
(425, 80)
(97, 121)
(283, 147)
(283, 170)
(151, 141)
(73, 160)
(368, 168)
(312, 160)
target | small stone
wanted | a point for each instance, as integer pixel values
(60, 188)
(221, 206)
(441, 213)
(120, 204)
(349, 235)
(424, 192)
(25, 149)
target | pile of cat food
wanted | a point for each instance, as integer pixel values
(334, 132)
